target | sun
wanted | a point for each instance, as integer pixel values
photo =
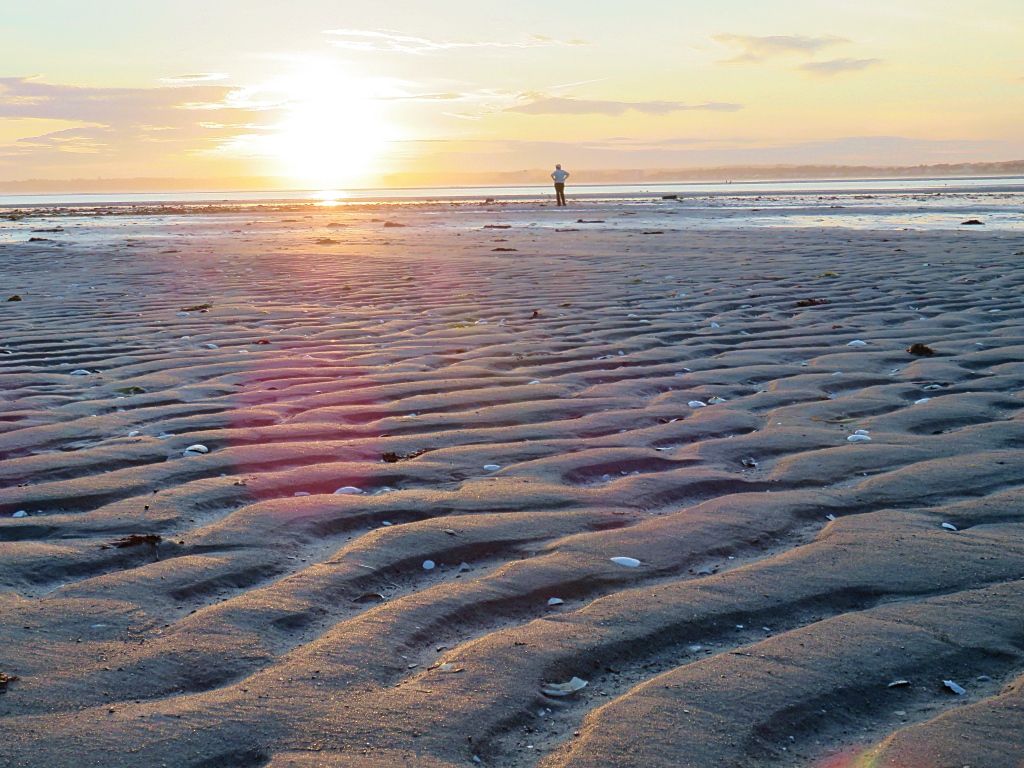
(332, 133)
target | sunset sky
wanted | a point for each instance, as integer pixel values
(328, 93)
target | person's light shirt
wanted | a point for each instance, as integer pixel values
(560, 176)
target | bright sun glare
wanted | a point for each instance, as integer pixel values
(333, 131)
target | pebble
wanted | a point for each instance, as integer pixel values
(20, 513)
(348, 490)
(429, 565)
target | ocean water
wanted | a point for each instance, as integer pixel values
(920, 204)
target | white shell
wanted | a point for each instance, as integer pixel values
(303, 493)
(958, 690)
(950, 527)
(556, 601)
(857, 344)
(697, 404)
(629, 562)
(429, 565)
(80, 372)
(922, 401)
(20, 513)
(859, 439)
(716, 400)
(133, 433)
(196, 450)
(491, 467)
(348, 490)
(862, 432)
(564, 689)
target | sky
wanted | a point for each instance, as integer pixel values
(334, 93)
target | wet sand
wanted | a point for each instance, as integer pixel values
(516, 406)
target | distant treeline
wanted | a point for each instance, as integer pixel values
(534, 177)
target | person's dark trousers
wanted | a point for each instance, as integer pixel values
(560, 193)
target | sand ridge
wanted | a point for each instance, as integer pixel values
(518, 418)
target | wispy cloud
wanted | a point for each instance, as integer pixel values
(757, 49)
(367, 40)
(558, 105)
(203, 77)
(838, 66)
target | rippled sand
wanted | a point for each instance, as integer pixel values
(518, 418)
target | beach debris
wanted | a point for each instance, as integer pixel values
(922, 401)
(921, 350)
(429, 565)
(15, 297)
(859, 439)
(198, 308)
(6, 679)
(832, 518)
(950, 527)
(211, 346)
(957, 689)
(556, 601)
(535, 315)
(491, 467)
(670, 197)
(750, 463)
(715, 325)
(196, 450)
(716, 400)
(131, 391)
(348, 490)
(899, 683)
(448, 668)
(932, 387)
(862, 432)
(654, 232)
(972, 223)
(370, 597)
(629, 562)
(262, 341)
(697, 404)
(857, 343)
(504, 250)
(325, 241)
(80, 372)
(812, 302)
(827, 274)
(136, 540)
(19, 514)
(559, 690)
(392, 224)
(533, 383)
(497, 226)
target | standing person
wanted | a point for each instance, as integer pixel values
(560, 176)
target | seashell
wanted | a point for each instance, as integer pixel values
(716, 400)
(629, 562)
(958, 690)
(950, 527)
(211, 346)
(534, 382)
(750, 463)
(429, 565)
(556, 601)
(862, 432)
(20, 514)
(302, 493)
(922, 401)
(133, 433)
(859, 439)
(348, 490)
(183, 314)
(80, 372)
(196, 450)
(715, 325)
(857, 344)
(830, 517)
(564, 689)
(491, 467)
(697, 404)
(898, 683)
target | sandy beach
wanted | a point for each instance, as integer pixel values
(445, 457)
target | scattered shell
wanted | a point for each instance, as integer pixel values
(20, 513)
(958, 690)
(697, 404)
(491, 467)
(830, 517)
(716, 400)
(564, 689)
(950, 527)
(629, 562)
(196, 450)
(449, 668)
(429, 565)
(922, 401)
(556, 601)
(857, 344)
(862, 432)
(302, 493)
(133, 433)
(348, 490)
(859, 439)
(80, 372)
(534, 382)
(370, 597)
(899, 683)
(751, 463)
(211, 346)
(183, 314)
(715, 325)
